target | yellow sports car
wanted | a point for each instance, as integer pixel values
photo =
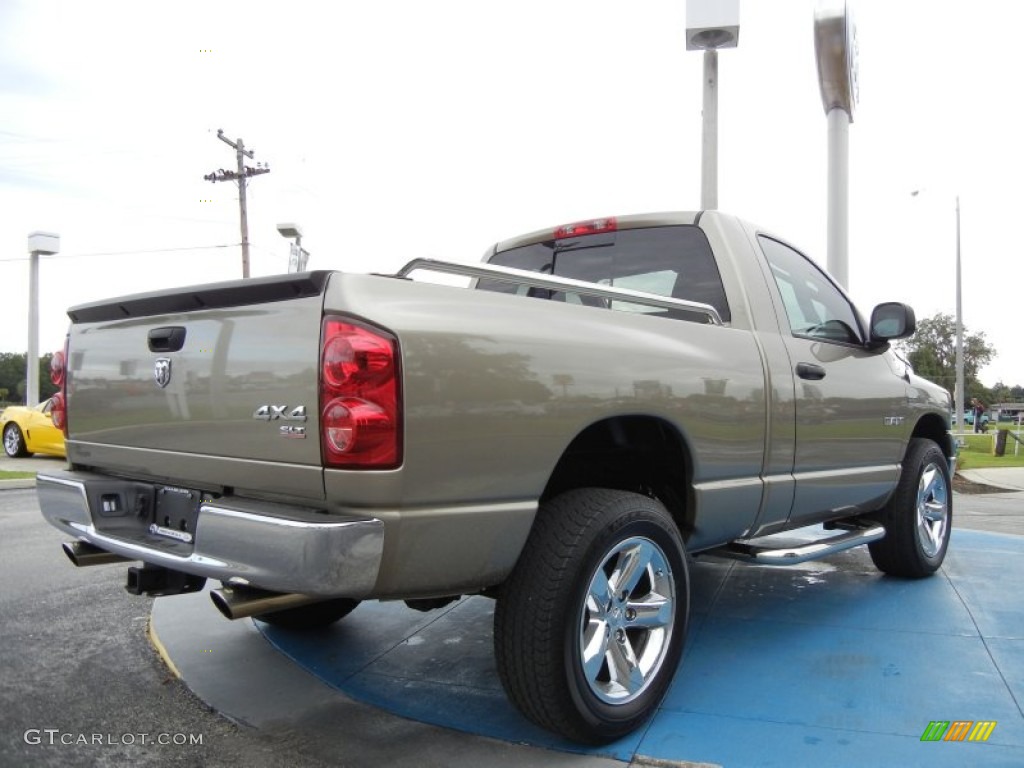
(30, 430)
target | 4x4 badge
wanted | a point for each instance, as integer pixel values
(162, 371)
(273, 412)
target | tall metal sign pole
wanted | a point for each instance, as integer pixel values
(710, 25)
(243, 173)
(835, 46)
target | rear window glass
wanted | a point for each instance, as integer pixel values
(668, 261)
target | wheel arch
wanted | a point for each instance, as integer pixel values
(932, 427)
(640, 453)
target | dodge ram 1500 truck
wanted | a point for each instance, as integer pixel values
(601, 402)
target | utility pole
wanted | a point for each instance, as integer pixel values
(241, 175)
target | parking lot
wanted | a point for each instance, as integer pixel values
(775, 660)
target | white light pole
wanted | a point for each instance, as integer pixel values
(298, 256)
(710, 25)
(835, 46)
(39, 243)
(958, 394)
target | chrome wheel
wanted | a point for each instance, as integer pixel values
(932, 510)
(918, 517)
(13, 445)
(626, 628)
(589, 627)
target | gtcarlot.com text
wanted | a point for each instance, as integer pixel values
(53, 737)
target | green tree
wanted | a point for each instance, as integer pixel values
(13, 379)
(12, 373)
(1000, 393)
(932, 353)
(1004, 393)
(46, 387)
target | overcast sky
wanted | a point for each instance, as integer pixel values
(413, 128)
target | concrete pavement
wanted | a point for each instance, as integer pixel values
(828, 663)
(27, 464)
(375, 674)
(1007, 478)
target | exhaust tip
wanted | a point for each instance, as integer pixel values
(69, 550)
(82, 554)
(243, 602)
(221, 602)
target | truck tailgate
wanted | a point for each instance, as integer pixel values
(214, 385)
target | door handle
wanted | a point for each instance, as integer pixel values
(169, 339)
(810, 371)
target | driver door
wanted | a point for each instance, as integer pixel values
(850, 403)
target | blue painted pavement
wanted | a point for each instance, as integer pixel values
(827, 663)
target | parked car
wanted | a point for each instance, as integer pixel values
(31, 430)
(969, 419)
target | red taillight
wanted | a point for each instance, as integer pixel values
(59, 376)
(592, 227)
(360, 414)
(59, 412)
(57, 370)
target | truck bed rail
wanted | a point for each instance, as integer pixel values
(549, 282)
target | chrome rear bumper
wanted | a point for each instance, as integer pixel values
(237, 541)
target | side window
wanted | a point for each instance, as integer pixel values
(815, 307)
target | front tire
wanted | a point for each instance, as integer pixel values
(14, 442)
(590, 626)
(919, 517)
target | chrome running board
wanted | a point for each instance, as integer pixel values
(749, 552)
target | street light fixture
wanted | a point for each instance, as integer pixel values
(298, 256)
(45, 244)
(710, 25)
(958, 394)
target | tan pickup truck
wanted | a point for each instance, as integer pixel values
(603, 401)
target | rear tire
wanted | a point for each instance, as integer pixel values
(590, 626)
(312, 616)
(919, 516)
(14, 442)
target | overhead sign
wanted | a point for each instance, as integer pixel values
(835, 45)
